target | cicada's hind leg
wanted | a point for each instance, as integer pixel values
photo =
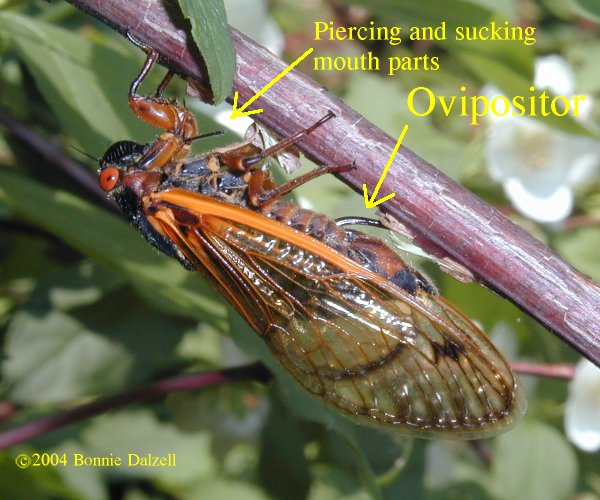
(285, 143)
(243, 158)
(178, 122)
(262, 189)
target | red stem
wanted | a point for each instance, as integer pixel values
(561, 371)
(187, 382)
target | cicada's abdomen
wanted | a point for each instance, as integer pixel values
(366, 250)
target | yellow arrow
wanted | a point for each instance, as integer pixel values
(370, 203)
(237, 113)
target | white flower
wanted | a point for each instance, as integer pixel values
(582, 414)
(539, 165)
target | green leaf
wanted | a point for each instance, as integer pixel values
(50, 354)
(148, 335)
(590, 8)
(461, 491)
(580, 248)
(283, 470)
(88, 482)
(73, 287)
(33, 483)
(112, 242)
(533, 461)
(140, 433)
(227, 488)
(67, 68)
(52, 358)
(210, 31)
(330, 482)
(431, 13)
(74, 338)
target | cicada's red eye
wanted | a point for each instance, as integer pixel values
(108, 178)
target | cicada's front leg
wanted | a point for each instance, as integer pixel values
(178, 122)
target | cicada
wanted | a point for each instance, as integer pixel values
(352, 323)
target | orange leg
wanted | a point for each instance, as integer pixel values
(262, 190)
(179, 123)
(286, 143)
(242, 159)
(156, 110)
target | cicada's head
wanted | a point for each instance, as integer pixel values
(119, 161)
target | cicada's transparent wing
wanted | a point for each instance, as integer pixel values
(364, 346)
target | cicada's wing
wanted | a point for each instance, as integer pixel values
(364, 346)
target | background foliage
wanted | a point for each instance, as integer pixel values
(87, 308)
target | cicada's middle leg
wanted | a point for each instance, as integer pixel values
(178, 122)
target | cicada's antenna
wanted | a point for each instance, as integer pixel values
(84, 153)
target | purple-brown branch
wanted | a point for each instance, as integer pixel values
(499, 253)
(188, 382)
